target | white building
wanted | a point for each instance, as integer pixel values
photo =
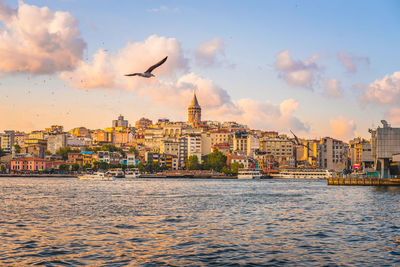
(385, 145)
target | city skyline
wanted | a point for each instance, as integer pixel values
(318, 69)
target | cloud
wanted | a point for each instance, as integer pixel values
(38, 40)
(393, 116)
(206, 54)
(342, 128)
(163, 9)
(383, 91)
(106, 71)
(332, 88)
(350, 61)
(260, 114)
(297, 73)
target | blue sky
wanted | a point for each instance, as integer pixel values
(253, 34)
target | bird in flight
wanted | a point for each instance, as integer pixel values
(147, 73)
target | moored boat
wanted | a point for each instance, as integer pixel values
(311, 174)
(249, 174)
(132, 173)
(97, 176)
(115, 173)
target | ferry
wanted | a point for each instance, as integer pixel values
(97, 176)
(115, 173)
(132, 173)
(249, 174)
(311, 174)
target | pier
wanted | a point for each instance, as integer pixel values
(363, 181)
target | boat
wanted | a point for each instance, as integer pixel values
(249, 174)
(97, 176)
(115, 173)
(310, 174)
(132, 173)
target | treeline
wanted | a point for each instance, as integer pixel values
(215, 161)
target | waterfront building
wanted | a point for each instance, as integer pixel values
(109, 157)
(35, 147)
(7, 141)
(306, 154)
(168, 146)
(130, 159)
(19, 138)
(75, 158)
(360, 154)
(205, 144)
(239, 141)
(333, 154)
(194, 112)
(194, 146)
(280, 147)
(385, 149)
(28, 164)
(253, 144)
(56, 141)
(120, 122)
(231, 158)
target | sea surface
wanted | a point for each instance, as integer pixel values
(191, 222)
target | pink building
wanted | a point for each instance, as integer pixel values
(28, 164)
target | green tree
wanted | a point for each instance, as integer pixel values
(63, 152)
(3, 168)
(75, 166)
(101, 165)
(47, 152)
(87, 166)
(192, 163)
(226, 170)
(134, 151)
(141, 167)
(163, 167)
(17, 148)
(235, 166)
(63, 167)
(215, 161)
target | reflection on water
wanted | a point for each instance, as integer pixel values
(196, 222)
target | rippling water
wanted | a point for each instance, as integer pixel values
(196, 222)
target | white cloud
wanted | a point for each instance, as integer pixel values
(342, 128)
(106, 71)
(332, 88)
(383, 91)
(393, 116)
(164, 9)
(206, 54)
(297, 73)
(38, 40)
(350, 61)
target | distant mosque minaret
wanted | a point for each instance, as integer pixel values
(194, 112)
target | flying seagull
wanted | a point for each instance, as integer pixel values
(297, 142)
(147, 73)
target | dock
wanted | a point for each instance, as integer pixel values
(363, 181)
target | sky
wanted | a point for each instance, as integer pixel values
(318, 68)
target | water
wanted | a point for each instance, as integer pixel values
(57, 222)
